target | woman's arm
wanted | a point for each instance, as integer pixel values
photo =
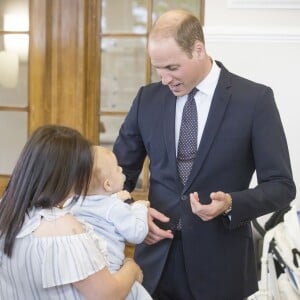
(103, 284)
(106, 285)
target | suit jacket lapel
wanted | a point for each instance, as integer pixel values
(218, 106)
(169, 129)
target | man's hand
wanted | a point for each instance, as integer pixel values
(123, 195)
(143, 202)
(220, 203)
(155, 233)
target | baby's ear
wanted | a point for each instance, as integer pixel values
(107, 185)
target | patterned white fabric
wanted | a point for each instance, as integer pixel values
(45, 267)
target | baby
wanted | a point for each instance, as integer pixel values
(116, 221)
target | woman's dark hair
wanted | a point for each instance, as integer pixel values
(55, 161)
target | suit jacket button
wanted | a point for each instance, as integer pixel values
(184, 197)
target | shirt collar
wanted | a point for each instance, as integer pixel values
(209, 83)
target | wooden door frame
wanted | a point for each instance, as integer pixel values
(63, 82)
(63, 52)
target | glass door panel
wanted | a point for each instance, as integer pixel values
(126, 16)
(14, 42)
(160, 6)
(109, 128)
(122, 71)
(13, 132)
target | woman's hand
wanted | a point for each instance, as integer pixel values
(139, 273)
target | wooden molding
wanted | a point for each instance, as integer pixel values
(270, 4)
(253, 34)
(64, 65)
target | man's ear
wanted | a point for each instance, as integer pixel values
(199, 49)
(107, 185)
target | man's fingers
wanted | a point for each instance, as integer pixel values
(155, 214)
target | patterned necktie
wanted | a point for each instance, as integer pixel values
(187, 143)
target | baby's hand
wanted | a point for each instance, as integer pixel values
(123, 195)
(144, 202)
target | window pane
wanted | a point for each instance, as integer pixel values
(14, 15)
(13, 79)
(122, 71)
(11, 144)
(160, 6)
(124, 16)
(109, 129)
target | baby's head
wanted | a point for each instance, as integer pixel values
(107, 177)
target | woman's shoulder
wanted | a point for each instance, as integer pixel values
(66, 224)
(70, 249)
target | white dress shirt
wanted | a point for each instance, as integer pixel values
(203, 100)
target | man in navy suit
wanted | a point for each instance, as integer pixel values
(200, 243)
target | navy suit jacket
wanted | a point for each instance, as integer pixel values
(243, 134)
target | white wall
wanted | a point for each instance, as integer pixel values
(262, 44)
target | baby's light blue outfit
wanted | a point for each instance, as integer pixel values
(116, 222)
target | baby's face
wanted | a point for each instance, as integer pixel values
(106, 171)
(115, 172)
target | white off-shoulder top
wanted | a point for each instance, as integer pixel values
(45, 267)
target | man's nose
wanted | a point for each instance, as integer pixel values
(165, 77)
